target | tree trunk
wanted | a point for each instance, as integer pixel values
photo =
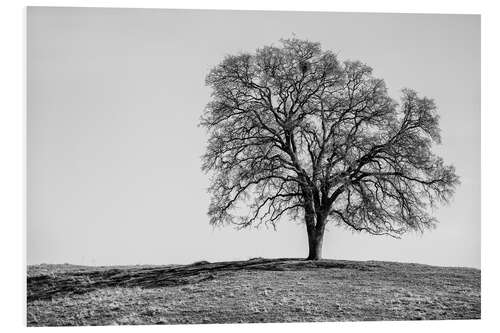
(315, 238)
(315, 246)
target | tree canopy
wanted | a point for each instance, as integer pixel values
(293, 131)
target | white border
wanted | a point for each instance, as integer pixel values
(12, 153)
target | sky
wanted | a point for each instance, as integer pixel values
(114, 98)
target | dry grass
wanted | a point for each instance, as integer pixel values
(283, 290)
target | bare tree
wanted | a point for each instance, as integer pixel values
(294, 131)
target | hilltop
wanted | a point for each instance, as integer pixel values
(257, 290)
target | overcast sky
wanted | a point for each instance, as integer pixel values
(115, 96)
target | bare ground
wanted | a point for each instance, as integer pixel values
(258, 290)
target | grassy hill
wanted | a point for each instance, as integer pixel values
(258, 290)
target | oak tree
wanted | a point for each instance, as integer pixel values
(293, 131)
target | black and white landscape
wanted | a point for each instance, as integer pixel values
(193, 166)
